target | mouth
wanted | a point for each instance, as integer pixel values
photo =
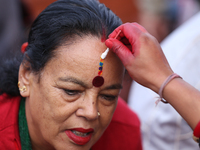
(80, 136)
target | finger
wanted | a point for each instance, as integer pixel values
(120, 50)
(125, 41)
(115, 32)
(129, 31)
(124, 27)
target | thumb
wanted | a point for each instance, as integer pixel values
(120, 50)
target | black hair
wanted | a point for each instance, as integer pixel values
(61, 21)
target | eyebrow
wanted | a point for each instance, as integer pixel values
(81, 83)
(114, 86)
(73, 80)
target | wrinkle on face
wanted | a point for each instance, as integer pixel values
(74, 67)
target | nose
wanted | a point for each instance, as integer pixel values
(88, 107)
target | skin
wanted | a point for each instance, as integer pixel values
(140, 51)
(62, 96)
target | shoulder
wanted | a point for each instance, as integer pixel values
(123, 131)
(9, 108)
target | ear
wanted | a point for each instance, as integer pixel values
(24, 79)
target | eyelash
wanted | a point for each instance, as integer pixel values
(109, 97)
(76, 92)
(71, 92)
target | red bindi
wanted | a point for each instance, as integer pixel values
(98, 81)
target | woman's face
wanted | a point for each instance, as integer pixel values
(62, 104)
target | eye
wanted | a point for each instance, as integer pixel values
(71, 92)
(109, 97)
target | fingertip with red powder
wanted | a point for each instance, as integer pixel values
(122, 51)
(109, 43)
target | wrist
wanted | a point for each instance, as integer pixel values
(164, 84)
(158, 80)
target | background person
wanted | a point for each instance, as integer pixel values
(181, 48)
(143, 58)
(11, 28)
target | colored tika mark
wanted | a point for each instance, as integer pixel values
(99, 80)
(100, 67)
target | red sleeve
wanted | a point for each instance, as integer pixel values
(123, 132)
(9, 131)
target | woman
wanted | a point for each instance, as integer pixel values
(143, 58)
(68, 100)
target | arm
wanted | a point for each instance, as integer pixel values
(185, 99)
(142, 56)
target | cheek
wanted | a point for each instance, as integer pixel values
(53, 107)
(44, 107)
(107, 114)
(49, 115)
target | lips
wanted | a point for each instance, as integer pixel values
(80, 136)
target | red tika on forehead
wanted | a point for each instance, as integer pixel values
(99, 80)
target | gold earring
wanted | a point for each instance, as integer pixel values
(18, 84)
(98, 113)
(23, 88)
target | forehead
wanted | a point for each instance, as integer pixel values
(87, 48)
(80, 58)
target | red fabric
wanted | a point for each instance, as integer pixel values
(123, 133)
(197, 130)
(9, 132)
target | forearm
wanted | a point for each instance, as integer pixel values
(185, 99)
(143, 58)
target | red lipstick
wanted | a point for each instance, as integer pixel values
(80, 136)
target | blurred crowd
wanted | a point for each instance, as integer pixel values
(159, 17)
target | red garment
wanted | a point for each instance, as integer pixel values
(9, 131)
(122, 133)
